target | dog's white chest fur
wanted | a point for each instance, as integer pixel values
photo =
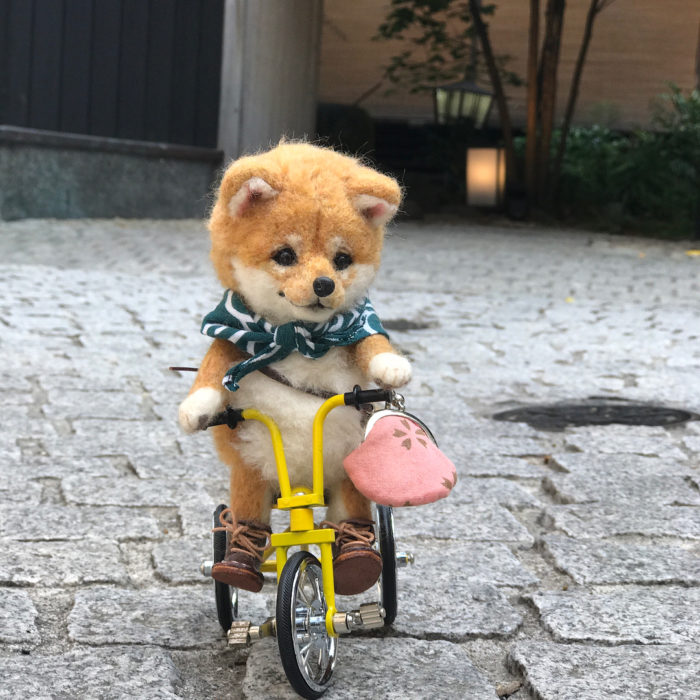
(294, 411)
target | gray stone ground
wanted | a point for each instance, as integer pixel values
(564, 565)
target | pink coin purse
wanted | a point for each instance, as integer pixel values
(399, 463)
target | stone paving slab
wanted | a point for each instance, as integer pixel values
(195, 514)
(619, 486)
(171, 617)
(614, 439)
(478, 448)
(447, 519)
(604, 562)
(178, 561)
(607, 520)
(124, 437)
(17, 618)
(112, 405)
(61, 563)
(116, 672)
(367, 668)
(19, 522)
(16, 489)
(692, 442)
(583, 462)
(506, 467)
(38, 467)
(493, 490)
(628, 616)
(471, 562)
(134, 492)
(556, 671)
(193, 463)
(428, 609)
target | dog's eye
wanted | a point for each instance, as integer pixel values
(342, 261)
(285, 256)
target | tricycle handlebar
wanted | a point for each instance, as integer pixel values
(231, 417)
(357, 397)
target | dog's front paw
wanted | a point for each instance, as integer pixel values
(390, 370)
(199, 408)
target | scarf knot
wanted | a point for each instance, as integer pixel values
(290, 335)
(266, 343)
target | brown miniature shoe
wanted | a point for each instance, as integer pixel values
(356, 566)
(247, 540)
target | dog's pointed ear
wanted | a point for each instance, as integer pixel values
(252, 191)
(375, 210)
(374, 196)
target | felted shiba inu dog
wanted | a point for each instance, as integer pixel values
(296, 237)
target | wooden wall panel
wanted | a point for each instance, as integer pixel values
(104, 74)
(75, 67)
(210, 57)
(131, 69)
(638, 47)
(18, 51)
(185, 67)
(131, 108)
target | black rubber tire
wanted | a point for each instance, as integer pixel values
(226, 596)
(285, 627)
(387, 548)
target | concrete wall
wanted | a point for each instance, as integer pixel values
(269, 72)
(638, 47)
(44, 174)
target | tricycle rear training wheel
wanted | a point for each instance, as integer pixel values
(387, 548)
(307, 651)
(226, 596)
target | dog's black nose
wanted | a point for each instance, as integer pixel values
(323, 286)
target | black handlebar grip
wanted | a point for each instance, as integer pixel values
(357, 397)
(231, 417)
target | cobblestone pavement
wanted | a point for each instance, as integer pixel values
(564, 565)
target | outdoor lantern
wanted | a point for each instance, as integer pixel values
(486, 176)
(462, 100)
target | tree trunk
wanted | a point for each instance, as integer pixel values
(501, 103)
(554, 24)
(697, 62)
(595, 7)
(532, 97)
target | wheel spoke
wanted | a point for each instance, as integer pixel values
(323, 660)
(318, 593)
(301, 588)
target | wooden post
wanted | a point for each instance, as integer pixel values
(697, 62)
(269, 73)
(532, 103)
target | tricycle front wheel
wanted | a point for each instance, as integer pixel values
(307, 651)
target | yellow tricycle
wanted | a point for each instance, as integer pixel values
(307, 623)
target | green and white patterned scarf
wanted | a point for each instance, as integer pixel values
(266, 343)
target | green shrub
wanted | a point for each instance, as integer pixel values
(645, 181)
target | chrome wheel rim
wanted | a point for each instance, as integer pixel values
(314, 648)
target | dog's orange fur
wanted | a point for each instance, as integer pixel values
(322, 203)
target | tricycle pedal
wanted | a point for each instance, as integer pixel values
(369, 616)
(239, 634)
(242, 633)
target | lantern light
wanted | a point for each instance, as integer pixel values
(461, 101)
(486, 177)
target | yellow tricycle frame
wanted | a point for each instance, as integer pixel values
(300, 501)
